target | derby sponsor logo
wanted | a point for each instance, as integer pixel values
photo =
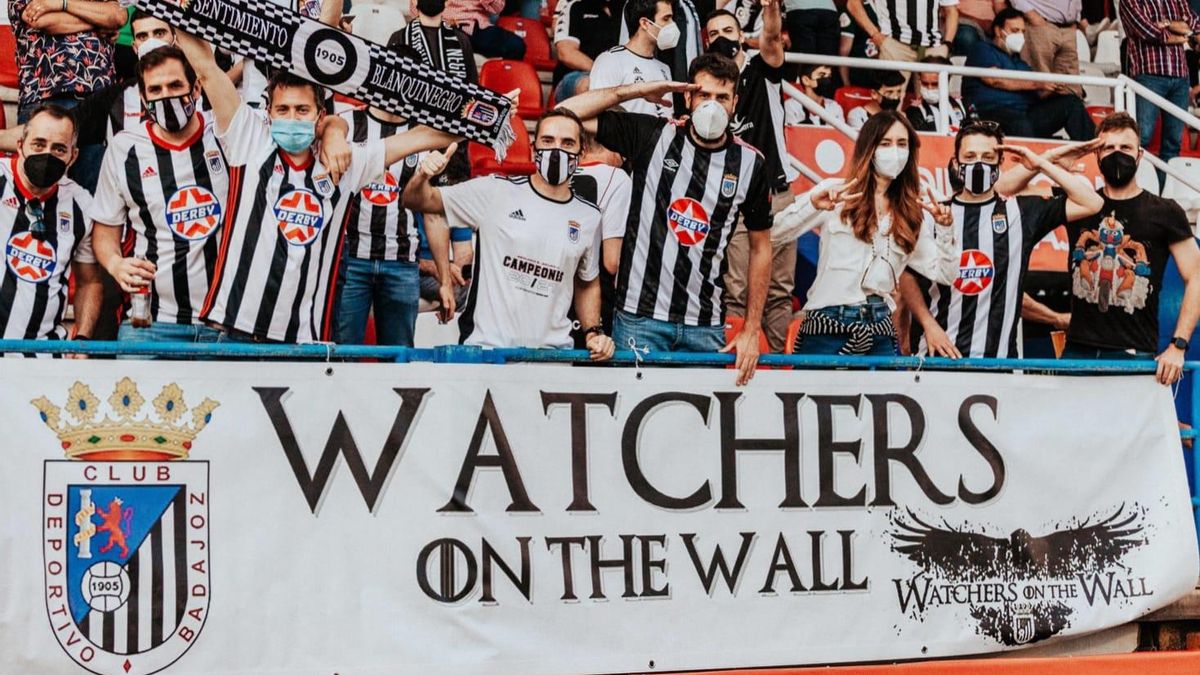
(300, 216)
(193, 213)
(383, 192)
(688, 220)
(30, 258)
(975, 272)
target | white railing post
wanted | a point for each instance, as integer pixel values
(944, 101)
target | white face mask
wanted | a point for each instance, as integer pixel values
(1015, 42)
(150, 45)
(710, 120)
(668, 35)
(890, 162)
(930, 95)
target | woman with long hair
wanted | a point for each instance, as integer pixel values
(873, 224)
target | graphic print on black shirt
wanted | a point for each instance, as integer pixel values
(1117, 262)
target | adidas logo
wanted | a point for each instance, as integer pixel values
(517, 215)
(149, 172)
(11, 202)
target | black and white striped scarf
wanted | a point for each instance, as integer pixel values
(279, 37)
(859, 334)
(450, 54)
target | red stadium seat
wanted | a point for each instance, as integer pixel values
(1099, 112)
(3, 118)
(504, 76)
(8, 57)
(519, 160)
(734, 325)
(793, 332)
(537, 42)
(853, 97)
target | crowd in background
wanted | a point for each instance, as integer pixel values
(212, 199)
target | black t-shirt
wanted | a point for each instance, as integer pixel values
(1117, 262)
(861, 48)
(588, 23)
(758, 118)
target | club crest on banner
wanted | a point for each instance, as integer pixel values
(125, 528)
(193, 213)
(300, 215)
(383, 193)
(975, 272)
(30, 258)
(688, 220)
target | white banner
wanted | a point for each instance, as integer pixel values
(371, 518)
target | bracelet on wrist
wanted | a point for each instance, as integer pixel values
(598, 330)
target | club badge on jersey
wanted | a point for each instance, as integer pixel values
(729, 185)
(556, 165)
(573, 231)
(300, 216)
(193, 213)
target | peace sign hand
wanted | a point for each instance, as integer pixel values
(940, 212)
(435, 162)
(827, 199)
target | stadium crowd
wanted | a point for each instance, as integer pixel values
(187, 194)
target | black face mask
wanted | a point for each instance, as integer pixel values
(889, 103)
(725, 47)
(44, 170)
(824, 87)
(1118, 169)
(431, 7)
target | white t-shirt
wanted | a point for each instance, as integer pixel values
(858, 117)
(613, 189)
(529, 252)
(620, 66)
(795, 114)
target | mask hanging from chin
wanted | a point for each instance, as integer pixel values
(725, 47)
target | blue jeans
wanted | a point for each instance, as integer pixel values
(86, 169)
(392, 287)
(1175, 90)
(868, 312)
(165, 332)
(965, 38)
(665, 336)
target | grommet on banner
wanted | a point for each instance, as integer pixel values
(637, 356)
(920, 365)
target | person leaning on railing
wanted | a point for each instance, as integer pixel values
(872, 228)
(1118, 258)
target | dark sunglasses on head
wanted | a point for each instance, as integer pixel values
(37, 218)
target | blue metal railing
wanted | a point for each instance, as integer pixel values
(475, 355)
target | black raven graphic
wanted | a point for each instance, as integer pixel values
(951, 555)
(958, 555)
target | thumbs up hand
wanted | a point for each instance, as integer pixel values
(435, 162)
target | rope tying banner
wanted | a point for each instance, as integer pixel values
(278, 37)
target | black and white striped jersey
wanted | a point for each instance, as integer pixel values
(980, 311)
(530, 251)
(913, 22)
(377, 227)
(282, 234)
(174, 199)
(37, 270)
(685, 203)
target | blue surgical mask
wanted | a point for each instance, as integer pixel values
(294, 136)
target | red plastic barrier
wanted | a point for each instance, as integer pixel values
(1159, 663)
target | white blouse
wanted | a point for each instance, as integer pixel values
(849, 269)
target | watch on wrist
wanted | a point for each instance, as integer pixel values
(598, 330)
(1180, 344)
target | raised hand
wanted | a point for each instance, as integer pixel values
(435, 162)
(1067, 154)
(831, 198)
(1021, 154)
(659, 92)
(940, 212)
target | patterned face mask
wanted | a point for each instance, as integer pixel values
(172, 113)
(556, 165)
